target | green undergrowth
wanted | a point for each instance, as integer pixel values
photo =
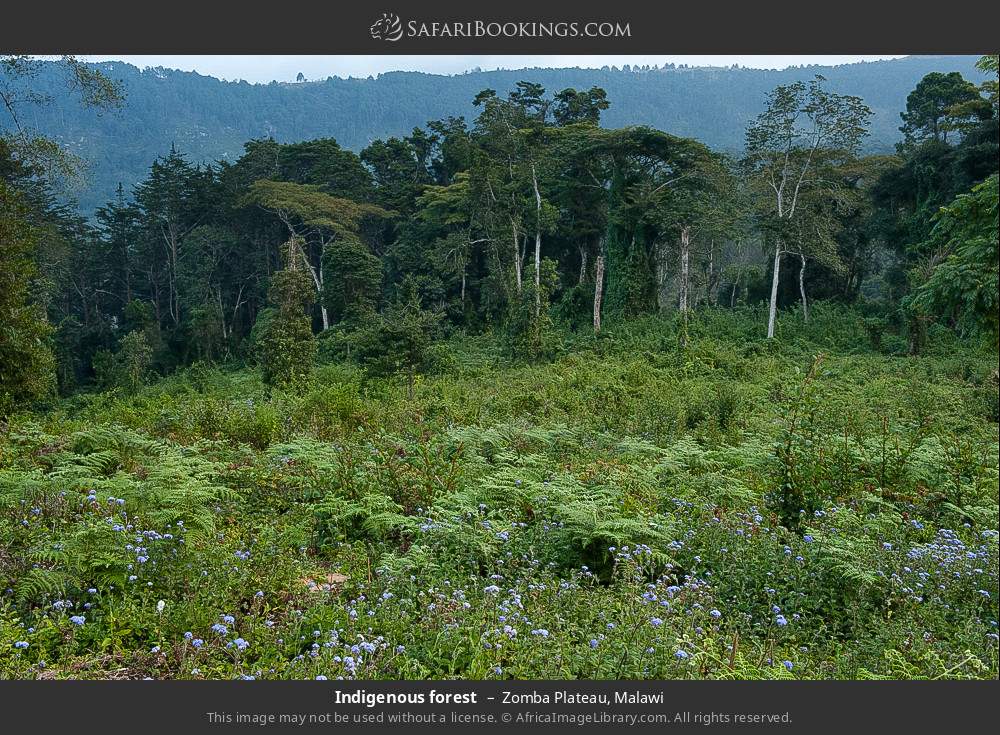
(807, 507)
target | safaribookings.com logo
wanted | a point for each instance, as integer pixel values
(387, 28)
(390, 28)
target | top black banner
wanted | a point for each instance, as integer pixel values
(514, 26)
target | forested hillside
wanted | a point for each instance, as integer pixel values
(208, 119)
(521, 394)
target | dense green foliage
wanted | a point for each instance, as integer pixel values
(26, 366)
(966, 283)
(286, 347)
(209, 119)
(399, 339)
(501, 225)
(523, 396)
(630, 509)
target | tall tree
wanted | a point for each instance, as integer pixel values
(453, 222)
(637, 170)
(313, 219)
(29, 163)
(937, 105)
(700, 202)
(285, 345)
(118, 223)
(171, 206)
(802, 132)
(26, 362)
(574, 107)
(399, 171)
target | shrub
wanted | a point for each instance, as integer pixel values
(285, 345)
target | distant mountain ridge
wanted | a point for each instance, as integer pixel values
(209, 119)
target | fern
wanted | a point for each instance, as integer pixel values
(372, 517)
(41, 583)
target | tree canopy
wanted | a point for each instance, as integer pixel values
(531, 216)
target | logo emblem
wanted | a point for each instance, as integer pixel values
(387, 28)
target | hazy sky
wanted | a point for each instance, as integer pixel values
(285, 68)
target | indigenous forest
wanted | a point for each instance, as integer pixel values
(517, 395)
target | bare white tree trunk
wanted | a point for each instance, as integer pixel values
(516, 239)
(222, 314)
(772, 312)
(583, 265)
(802, 288)
(317, 276)
(598, 291)
(712, 296)
(324, 314)
(295, 253)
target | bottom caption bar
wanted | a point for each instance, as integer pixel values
(222, 707)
